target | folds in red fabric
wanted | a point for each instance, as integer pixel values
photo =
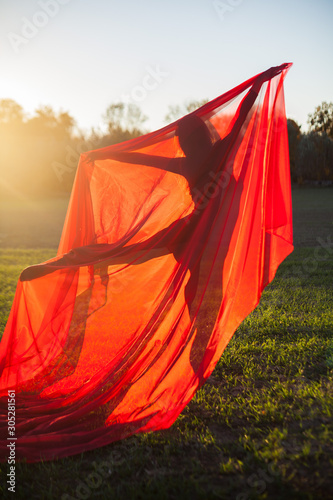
(168, 243)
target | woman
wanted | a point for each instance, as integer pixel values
(204, 154)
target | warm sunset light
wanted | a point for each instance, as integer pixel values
(166, 242)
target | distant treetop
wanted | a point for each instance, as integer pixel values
(321, 120)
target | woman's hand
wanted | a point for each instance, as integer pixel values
(273, 71)
(267, 75)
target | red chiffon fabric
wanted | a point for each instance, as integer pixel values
(168, 242)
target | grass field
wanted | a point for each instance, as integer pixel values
(260, 428)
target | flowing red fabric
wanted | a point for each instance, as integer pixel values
(168, 242)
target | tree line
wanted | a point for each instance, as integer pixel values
(39, 154)
(311, 153)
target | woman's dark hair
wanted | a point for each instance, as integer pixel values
(194, 136)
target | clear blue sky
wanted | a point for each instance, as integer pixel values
(91, 53)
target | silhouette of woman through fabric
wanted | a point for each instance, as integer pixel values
(205, 157)
(167, 245)
(205, 152)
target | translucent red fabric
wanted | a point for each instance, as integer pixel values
(168, 242)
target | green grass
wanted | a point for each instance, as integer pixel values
(30, 224)
(260, 428)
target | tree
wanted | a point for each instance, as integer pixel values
(294, 136)
(47, 122)
(124, 121)
(66, 122)
(176, 111)
(10, 112)
(314, 158)
(321, 120)
(31, 146)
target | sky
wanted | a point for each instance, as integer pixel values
(81, 56)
